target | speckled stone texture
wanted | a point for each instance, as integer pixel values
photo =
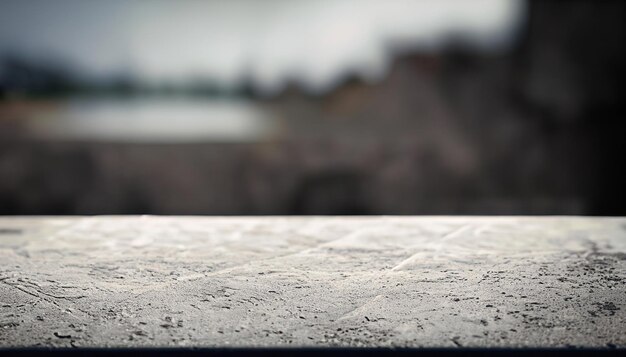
(317, 281)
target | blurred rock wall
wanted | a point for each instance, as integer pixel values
(537, 130)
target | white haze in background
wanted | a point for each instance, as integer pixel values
(267, 41)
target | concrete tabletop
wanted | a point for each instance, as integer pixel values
(147, 281)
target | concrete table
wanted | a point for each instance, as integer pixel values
(318, 281)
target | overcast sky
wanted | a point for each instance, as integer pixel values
(314, 41)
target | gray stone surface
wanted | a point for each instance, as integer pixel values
(333, 281)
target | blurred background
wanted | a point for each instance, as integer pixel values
(311, 107)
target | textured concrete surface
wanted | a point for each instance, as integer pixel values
(379, 281)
